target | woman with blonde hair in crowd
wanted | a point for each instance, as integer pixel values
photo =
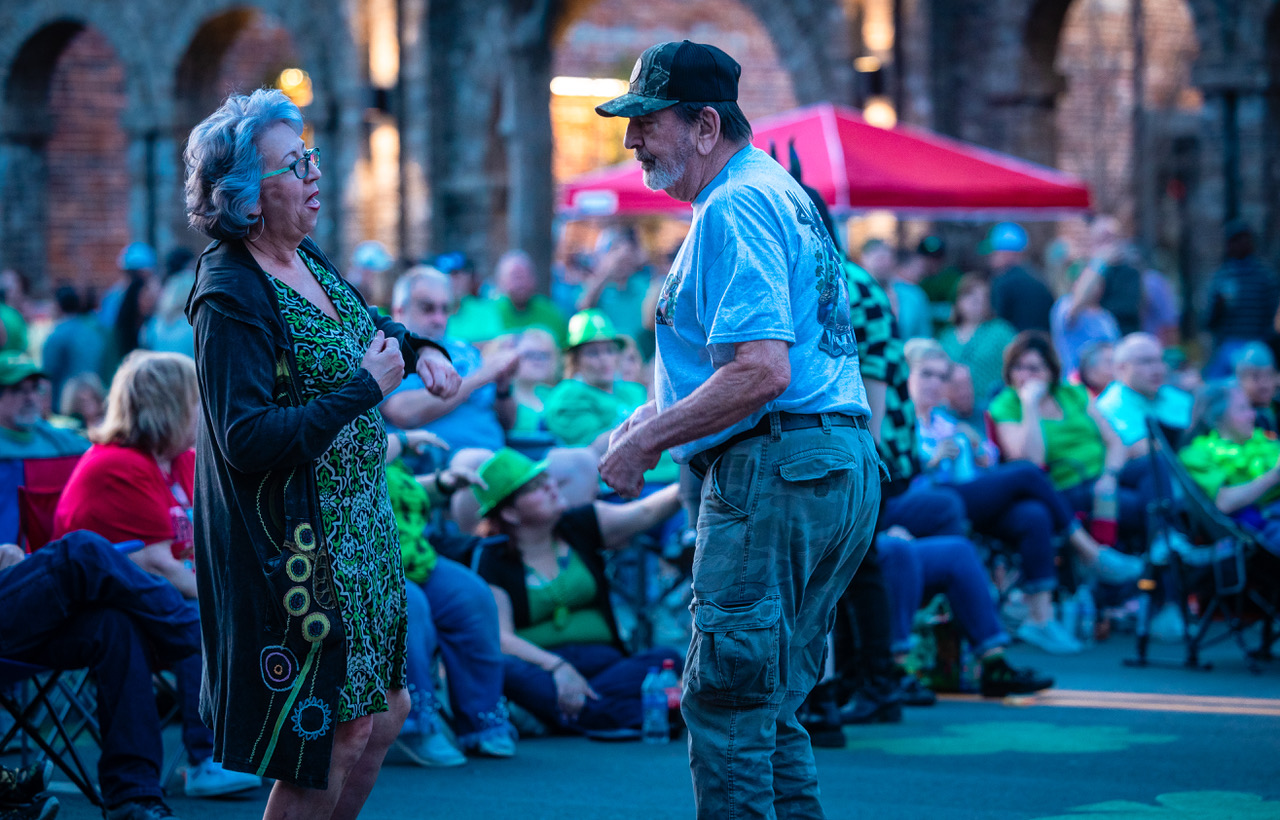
(135, 484)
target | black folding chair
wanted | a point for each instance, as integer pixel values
(1222, 581)
(51, 709)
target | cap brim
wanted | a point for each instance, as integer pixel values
(632, 105)
(24, 373)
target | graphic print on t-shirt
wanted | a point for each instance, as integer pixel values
(833, 295)
(667, 301)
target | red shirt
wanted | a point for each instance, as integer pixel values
(122, 494)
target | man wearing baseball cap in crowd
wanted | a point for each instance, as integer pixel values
(758, 391)
(1017, 296)
(24, 434)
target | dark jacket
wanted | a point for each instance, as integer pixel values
(275, 657)
(580, 529)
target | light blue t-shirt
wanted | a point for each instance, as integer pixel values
(757, 264)
(1127, 410)
(474, 423)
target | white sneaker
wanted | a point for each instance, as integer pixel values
(1167, 626)
(1050, 636)
(1114, 567)
(209, 779)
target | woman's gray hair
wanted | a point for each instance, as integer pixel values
(224, 166)
(1211, 405)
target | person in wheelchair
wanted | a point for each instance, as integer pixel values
(564, 659)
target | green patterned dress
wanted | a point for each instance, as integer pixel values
(355, 506)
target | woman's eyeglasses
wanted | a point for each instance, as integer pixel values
(301, 166)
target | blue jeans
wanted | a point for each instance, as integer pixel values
(925, 510)
(197, 738)
(454, 612)
(615, 677)
(917, 570)
(79, 603)
(1134, 491)
(785, 519)
(1017, 503)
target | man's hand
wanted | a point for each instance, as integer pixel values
(642, 413)
(499, 367)
(624, 465)
(10, 554)
(437, 373)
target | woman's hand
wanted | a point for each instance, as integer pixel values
(420, 440)
(947, 449)
(1032, 392)
(437, 373)
(572, 690)
(10, 554)
(384, 363)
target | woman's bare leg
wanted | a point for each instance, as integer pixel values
(360, 780)
(290, 802)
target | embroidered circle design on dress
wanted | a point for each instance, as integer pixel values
(297, 601)
(304, 538)
(315, 627)
(298, 568)
(279, 668)
(311, 719)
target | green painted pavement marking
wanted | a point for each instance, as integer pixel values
(1178, 805)
(1008, 736)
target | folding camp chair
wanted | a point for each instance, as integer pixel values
(43, 480)
(52, 709)
(1218, 570)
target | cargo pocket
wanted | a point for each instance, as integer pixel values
(816, 465)
(735, 651)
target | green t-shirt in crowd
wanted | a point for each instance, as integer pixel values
(983, 353)
(15, 329)
(1215, 462)
(577, 413)
(411, 505)
(476, 320)
(560, 611)
(540, 312)
(1073, 446)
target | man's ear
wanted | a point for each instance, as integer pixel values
(708, 135)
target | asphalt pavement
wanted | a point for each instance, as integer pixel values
(1108, 743)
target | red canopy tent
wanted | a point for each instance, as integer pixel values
(857, 166)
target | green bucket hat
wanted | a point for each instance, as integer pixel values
(17, 367)
(505, 473)
(592, 326)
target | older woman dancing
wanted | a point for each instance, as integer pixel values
(298, 561)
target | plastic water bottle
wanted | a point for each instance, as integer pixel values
(1088, 615)
(653, 703)
(670, 682)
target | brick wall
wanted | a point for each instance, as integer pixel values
(88, 189)
(1095, 115)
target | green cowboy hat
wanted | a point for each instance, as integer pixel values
(589, 326)
(505, 473)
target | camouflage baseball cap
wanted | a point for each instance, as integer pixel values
(671, 73)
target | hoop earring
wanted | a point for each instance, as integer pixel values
(263, 220)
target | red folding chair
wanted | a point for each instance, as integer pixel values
(42, 484)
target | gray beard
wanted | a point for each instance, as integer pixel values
(663, 176)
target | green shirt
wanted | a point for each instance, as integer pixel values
(411, 505)
(475, 321)
(577, 413)
(560, 611)
(15, 329)
(540, 312)
(983, 353)
(1215, 462)
(1073, 447)
(880, 357)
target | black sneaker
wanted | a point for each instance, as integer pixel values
(44, 807)
(820, 717)
(20, 786)
(999, 679)
(914, 693)
(147, 808)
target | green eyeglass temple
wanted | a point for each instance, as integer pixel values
(308, 157)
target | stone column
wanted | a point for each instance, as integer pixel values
(155, 201)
